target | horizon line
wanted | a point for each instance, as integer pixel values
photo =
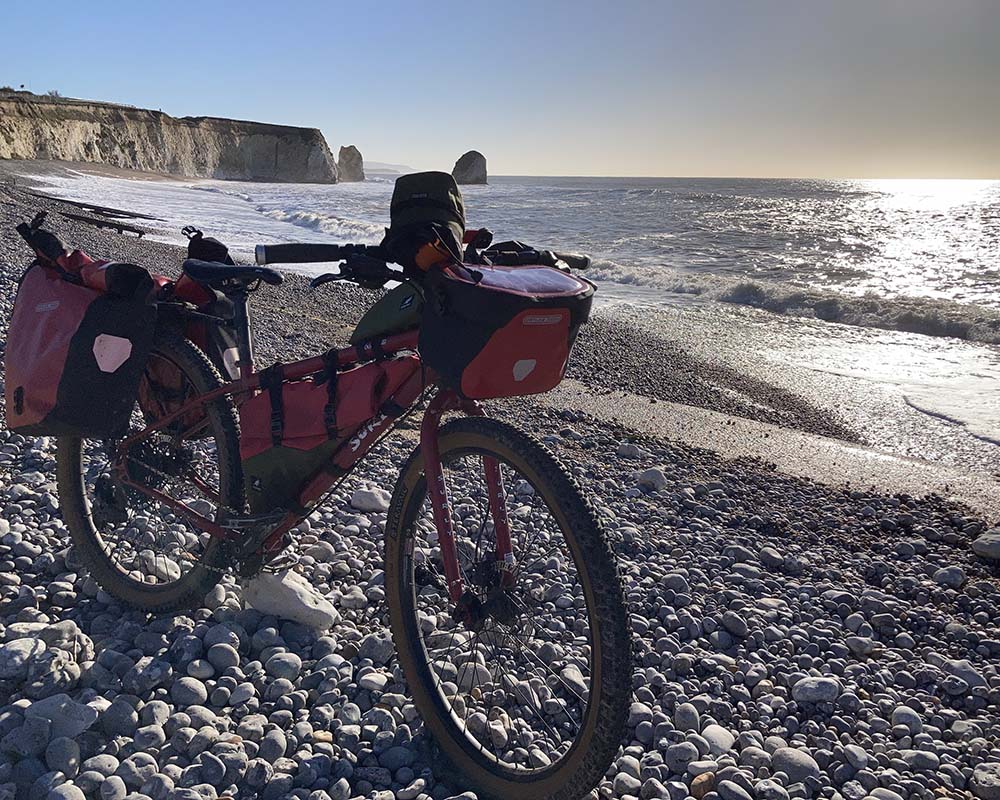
(755, 177)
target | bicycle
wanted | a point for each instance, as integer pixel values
(524, 677)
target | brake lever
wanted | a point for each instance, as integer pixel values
(368, 272)
(326, 277)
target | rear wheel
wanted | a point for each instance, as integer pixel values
(138, 548)
(525, 686)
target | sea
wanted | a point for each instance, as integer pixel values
(893, 282)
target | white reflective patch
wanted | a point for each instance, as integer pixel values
(231, 360)
(111, 351)
(523, 368)
(52, 305)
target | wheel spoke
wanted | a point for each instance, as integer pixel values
(547, 716)
(147, 543)
(534, 656)
(527, 652)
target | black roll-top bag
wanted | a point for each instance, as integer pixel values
(206, 248)
(425, 207)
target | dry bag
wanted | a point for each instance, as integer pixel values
(426, 220)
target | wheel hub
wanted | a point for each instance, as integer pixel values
(499, 605)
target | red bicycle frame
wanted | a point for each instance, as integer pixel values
(352, 451)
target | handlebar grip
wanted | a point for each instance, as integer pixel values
(297, 253)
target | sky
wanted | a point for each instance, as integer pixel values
(770, 88)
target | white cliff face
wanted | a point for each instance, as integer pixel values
(34, 127)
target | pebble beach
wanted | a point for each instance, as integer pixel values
(792, 639)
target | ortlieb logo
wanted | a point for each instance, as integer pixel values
(548, 319)
(52, 305)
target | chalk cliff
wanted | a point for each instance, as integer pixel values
(62, 129)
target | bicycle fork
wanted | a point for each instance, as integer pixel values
(437, 489)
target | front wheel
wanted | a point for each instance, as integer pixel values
(528, 694)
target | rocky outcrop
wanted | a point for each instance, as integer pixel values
(470, 168)
(350, 164)
(34, 127)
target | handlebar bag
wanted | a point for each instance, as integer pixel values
(290, 431)
(74, 357)
(493, 332)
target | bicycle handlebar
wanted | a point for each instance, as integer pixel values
(297, 253)
(366, 264)
(305, 253)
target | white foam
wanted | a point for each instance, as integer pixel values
(345, 230)
(221, 190)
(923, 315)
(228, 212)
(953, 381)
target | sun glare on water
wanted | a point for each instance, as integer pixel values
(930, 193)
(935, 238)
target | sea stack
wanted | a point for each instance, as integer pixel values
(350, 164)
(470, 168)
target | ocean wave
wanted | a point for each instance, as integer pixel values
(922, 315)
(344, 229)
(220, 190)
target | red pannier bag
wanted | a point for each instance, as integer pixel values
(75, 354)
(502, 331)
(291, 431)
